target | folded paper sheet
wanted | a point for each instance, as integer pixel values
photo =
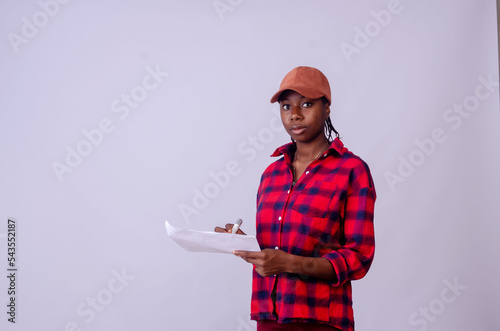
(205, 241)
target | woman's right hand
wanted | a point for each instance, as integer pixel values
(228, 229)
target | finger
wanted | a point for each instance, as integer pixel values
(240, 253)
(237, 232)
(243, 257)
(246, 259)
(247, 254)
(229, 227)
(251, 260)
(219, 229)
(263, 273)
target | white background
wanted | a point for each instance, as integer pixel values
(436, 226)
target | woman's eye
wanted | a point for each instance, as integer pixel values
(307, 104)
(286, 107)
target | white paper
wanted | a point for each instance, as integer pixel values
(206, 241)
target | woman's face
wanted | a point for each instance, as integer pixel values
(303, 118)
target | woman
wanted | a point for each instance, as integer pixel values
(314, 218)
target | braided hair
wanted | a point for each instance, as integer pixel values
(329, 129)
(328, 124)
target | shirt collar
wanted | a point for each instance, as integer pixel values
(288, 149)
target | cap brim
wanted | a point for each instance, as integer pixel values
(308, 93)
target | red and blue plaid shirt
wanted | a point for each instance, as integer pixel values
(328, 213)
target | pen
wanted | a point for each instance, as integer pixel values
(236, 226)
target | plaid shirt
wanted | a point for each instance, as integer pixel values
(328, 213)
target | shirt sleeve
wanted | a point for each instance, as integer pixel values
(353, 259)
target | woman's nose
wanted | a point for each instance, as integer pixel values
(296, 113)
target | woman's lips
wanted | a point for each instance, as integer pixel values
(296, 129)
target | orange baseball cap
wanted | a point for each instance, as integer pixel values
(308, 81)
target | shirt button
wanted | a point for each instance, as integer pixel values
(307, 172)
(276, 247)
(279, 218)
(288, 191)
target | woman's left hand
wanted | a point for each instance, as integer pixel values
(268, 262)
